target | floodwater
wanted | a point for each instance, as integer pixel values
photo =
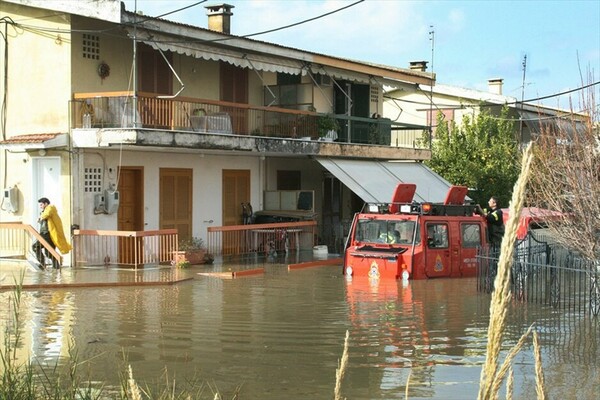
(280, 335)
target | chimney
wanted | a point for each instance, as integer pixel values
(418, 65)
(219, 17)
(495, 85)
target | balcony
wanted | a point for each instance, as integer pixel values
(113, 111)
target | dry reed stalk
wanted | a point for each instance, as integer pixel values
(501, 294)
(133, 387)
(341, 370)
(510, 382)
(539, 374)
(407, 382)
(506, 365)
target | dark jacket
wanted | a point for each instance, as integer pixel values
(495, 221)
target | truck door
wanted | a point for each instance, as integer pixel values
(471, 237)
(437, 252)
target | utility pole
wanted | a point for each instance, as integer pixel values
(430, 122)
(522, 100)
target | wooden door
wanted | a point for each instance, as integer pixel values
(236, 190)
(234, 88)
(156, 77)
(130, 216)
(175, 203)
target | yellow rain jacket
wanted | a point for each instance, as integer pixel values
(55, 228)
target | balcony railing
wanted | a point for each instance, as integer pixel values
(126, 248)
(115, 110)
(16, 240)
(262, 239)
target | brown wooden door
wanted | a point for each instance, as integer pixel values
(234, 88)
(236, 190)
(155, 76)
(130, 216)
(176, 200)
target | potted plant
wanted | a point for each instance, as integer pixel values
(328, 127)
(192, 251)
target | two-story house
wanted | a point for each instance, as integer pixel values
(423, 106)
(129, 123)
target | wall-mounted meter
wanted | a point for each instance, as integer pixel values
(111, 201)
(10, 200)
(99, 203)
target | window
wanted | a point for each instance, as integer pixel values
(91, 46)
(386, 231)
(437, 236)
(92, 181)
(287, 79)
(471, 235)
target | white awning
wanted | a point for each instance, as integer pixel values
(207, 52)
(375, 181)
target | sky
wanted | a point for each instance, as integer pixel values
(472, 41)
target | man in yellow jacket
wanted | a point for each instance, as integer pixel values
(51, 229)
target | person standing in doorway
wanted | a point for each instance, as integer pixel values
(51, 229)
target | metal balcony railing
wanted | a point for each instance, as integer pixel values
(264, 239)
(116, 110)
(126, 248)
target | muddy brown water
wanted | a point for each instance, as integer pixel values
(280, 335)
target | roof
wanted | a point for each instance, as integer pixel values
(250, 53)
(35, 141)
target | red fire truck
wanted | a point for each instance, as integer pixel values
(411, 240)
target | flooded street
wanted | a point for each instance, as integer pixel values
(280, 335)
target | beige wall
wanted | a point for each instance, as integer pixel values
(39, 72)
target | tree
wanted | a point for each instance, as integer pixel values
(566, 178)
(482, 154)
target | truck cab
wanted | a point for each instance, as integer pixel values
(411, 240)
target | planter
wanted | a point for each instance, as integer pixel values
(194, 257)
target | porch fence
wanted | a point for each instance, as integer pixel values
(263, 239)
(125, 248)
(16, 240)
(545, 273)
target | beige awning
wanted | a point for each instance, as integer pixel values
(375, 181)
(206, 51)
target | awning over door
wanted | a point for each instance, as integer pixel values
(375, 181)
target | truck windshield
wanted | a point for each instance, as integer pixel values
(385, 231)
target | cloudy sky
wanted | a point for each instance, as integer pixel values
(473, 41)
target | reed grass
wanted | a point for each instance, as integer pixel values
(341, 370)
(539, 373)
(492, 375)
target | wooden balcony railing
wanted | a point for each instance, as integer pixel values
(127, 248)
(264, 239)
(115, 110)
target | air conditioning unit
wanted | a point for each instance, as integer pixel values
(11, 199)
(323, 80)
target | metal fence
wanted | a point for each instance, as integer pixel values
(545, 273)
(127, 248)
(266, 239)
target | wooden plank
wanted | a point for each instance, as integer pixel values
(316, 263)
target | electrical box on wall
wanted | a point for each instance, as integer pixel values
(111, 201)
(99, 203)
(10, 198)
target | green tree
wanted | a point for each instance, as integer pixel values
(482, 154)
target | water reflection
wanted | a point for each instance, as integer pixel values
(281, 334)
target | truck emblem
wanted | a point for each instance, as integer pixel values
(374, 271)
(439, 266)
